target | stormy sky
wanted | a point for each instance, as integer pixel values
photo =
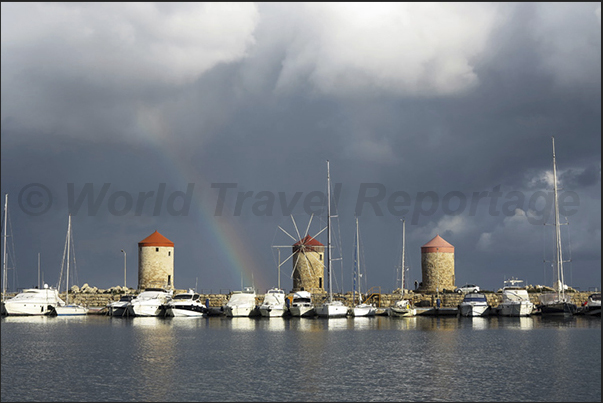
(213, 123)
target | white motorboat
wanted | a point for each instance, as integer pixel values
(474, 304)
(402, 308)
(119, 308)
(34, 301)
(68, 309)
(274, 304)
(515, 299)
(593, 305)
(361, 309)
(187, 304)
(301, 305)
(150, 302)
(242, 303)
(557, 303)
(330, 308)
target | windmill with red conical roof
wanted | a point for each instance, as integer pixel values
(307, 256)
(437, 265)
(155, 262)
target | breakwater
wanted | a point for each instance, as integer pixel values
(95, 298)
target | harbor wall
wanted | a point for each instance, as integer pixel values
(92, 297)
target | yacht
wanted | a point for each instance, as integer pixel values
(186, 304)
(34, 301)
(274, 304)
(515, 299)
(119, 308)
(301, 305)
(474, 304)
(150, 302)
(593, 305)
(242, 303)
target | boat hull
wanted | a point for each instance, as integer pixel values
(144, 310)
(558, 309)
(180, 312)
(472, 310)
(331, 310)
(241, 311)
(302, 311)
(70, 310)
(359, 311)
(402, 312)
(273, 311)
(21, 309)
(523, 308)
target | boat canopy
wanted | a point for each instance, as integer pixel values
(475, 297)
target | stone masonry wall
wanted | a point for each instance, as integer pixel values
(448, 300)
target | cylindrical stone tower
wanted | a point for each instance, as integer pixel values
(308, 265)
(437, 266)
(155, 262)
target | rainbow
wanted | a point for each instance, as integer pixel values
(241, 263)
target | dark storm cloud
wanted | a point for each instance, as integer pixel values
(453, 98)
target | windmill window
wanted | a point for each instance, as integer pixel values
(169, 253)
(156, 249)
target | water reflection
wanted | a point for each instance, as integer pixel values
(273, 324)
(153, 355)
(242, 324)
(26, 319)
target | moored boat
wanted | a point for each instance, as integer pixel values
(150, 302)
(187, 304)
(33, 301)
(592, 306)
(119, 308)
(557, 303)
(301, 305)
(274, 304)
(474, 304)
(242, 303)
(515, 299)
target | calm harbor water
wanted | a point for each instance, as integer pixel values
(99, 358)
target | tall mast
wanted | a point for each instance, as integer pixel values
(403, 247)
(558, 255)
(357, 262)
(4, 251)
(68, 258)
(329, 230)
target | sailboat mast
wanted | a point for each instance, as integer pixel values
(403, 253)
(4, 278)
(357, 261)
(559, 254)
(68, 258)
(329, 231)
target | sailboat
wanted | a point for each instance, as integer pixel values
(330, 309)
(362, 309)
(557, 303)
(69, 309)
(4, 277)
(30, 301)
(402, 307)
